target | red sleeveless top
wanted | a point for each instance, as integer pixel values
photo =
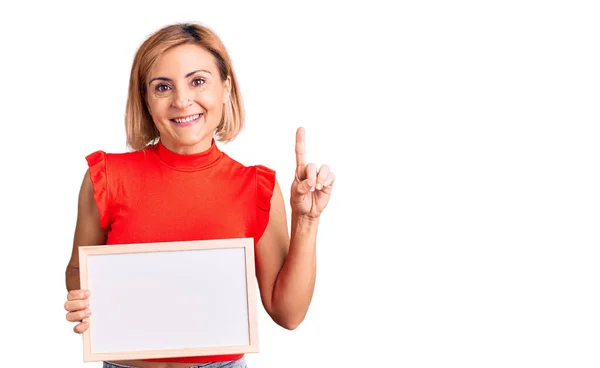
(157, 195)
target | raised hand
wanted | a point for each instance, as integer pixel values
(311, 188)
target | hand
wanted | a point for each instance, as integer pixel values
(78, 308)
(311, 188)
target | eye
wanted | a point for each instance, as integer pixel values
(198, 82)
(162, 88)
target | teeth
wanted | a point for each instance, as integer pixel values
(188, 119)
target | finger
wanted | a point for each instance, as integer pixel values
(330, 179)
(327, 188)
(76, 305)
(311, 176)
(78, 294)
(308, 184)
(322, 176)
(300, 149)
(81, 327)
(79, 315)
(303, 187)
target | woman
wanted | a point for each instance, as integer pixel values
(183, 95)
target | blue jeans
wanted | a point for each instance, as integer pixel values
(241, 363)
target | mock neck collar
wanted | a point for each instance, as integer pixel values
(189, 162)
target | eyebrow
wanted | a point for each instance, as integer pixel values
(187, 75)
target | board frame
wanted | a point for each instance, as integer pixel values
(251, 294)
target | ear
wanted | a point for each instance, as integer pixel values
(227, 90)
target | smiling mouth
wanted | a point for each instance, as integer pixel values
(186, 120)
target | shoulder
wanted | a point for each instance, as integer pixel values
(119, 159)
(253, 169)
(261, 177)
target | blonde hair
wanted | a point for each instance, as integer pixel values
(139, 125)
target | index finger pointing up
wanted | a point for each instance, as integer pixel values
(300, 149)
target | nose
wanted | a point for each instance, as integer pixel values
(182, 100)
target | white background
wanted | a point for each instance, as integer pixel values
(464, 226)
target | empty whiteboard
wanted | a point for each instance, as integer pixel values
(170, 299)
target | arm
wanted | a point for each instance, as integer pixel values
(87, 230)
(286, 268)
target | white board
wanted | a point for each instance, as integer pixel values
(159, 300)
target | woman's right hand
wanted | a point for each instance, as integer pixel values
(78, 309)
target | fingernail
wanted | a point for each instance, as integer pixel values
(88, 312)
(319, 186)
(312, 189)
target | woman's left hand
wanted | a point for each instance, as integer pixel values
(311, 188)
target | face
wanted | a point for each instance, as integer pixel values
(185, 96)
